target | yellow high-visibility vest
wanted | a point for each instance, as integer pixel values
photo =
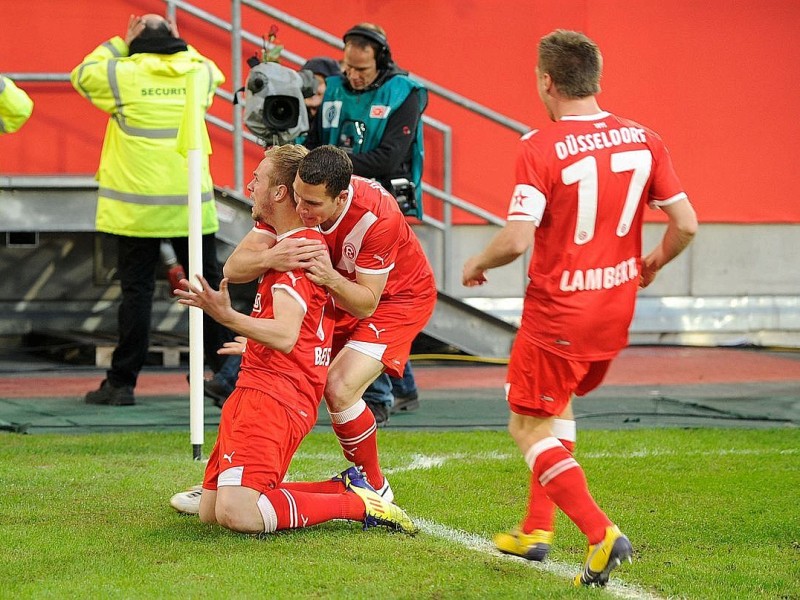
(143, 180)
(15, 106)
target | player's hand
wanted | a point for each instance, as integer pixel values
(649, 270)
(293, 253)
(321, 271)
(216, 304)
(472, 275)
(234, 348)
(135, 27)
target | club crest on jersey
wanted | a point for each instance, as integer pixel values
(349, 251)
(331, 110)
(379, 112)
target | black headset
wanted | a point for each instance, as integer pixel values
(383, 55)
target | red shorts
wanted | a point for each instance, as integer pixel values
(541, 384)
(388, 334)
(258, 435)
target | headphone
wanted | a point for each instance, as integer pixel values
(383, 54)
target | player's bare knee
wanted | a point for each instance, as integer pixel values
(338, 394)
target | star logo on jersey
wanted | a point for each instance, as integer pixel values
(519, 199)
(527, 200)
(293, 277)
(377, 331)
(349, 251)
(229, 457)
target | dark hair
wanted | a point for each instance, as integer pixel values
(323, 65)
(154, 30)
(573, 62)
(372, 35)
(327, 165)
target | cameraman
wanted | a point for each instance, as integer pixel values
(374, 112)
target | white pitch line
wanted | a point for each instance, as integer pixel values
(478, 544)
(718, 452)
(421, 462)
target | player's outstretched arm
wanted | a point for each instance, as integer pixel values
(506, 246)
(680, 232)
(280, 332)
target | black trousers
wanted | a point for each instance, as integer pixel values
(137, 261)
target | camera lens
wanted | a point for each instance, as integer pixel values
(281, 112)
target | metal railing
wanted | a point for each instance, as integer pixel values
(445, 193)
(234, 126)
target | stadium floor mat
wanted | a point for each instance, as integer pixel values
(647, 386)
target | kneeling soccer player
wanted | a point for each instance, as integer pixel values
(280, 386)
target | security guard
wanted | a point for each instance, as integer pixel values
(143, 184)
(15, 106)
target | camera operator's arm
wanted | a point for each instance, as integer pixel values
(313, 139)
(384, 161)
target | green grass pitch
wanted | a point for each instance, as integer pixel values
(711, 513)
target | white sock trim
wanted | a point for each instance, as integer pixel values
(565, 429)
(268, 514)
(349, 414)
(557, 469)
(293, 517)
(541, 446)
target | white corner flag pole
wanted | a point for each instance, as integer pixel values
(190, 143)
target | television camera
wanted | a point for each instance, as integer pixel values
(274, 109)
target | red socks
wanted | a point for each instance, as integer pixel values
(357, 433)
(564, 483)
(285, 509)
(541, 509)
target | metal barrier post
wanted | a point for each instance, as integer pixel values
(236, 75)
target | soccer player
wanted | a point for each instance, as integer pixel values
(277, 395)
(376, 271)
(581, 186)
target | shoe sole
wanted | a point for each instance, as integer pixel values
(401, 523)
(184, 507)
(132, 402)
(621, 550)
(537, 555)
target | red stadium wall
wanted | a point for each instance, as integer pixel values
(717, 79)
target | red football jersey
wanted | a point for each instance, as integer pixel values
(372, 236)
(584, 181)
(305, 368)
